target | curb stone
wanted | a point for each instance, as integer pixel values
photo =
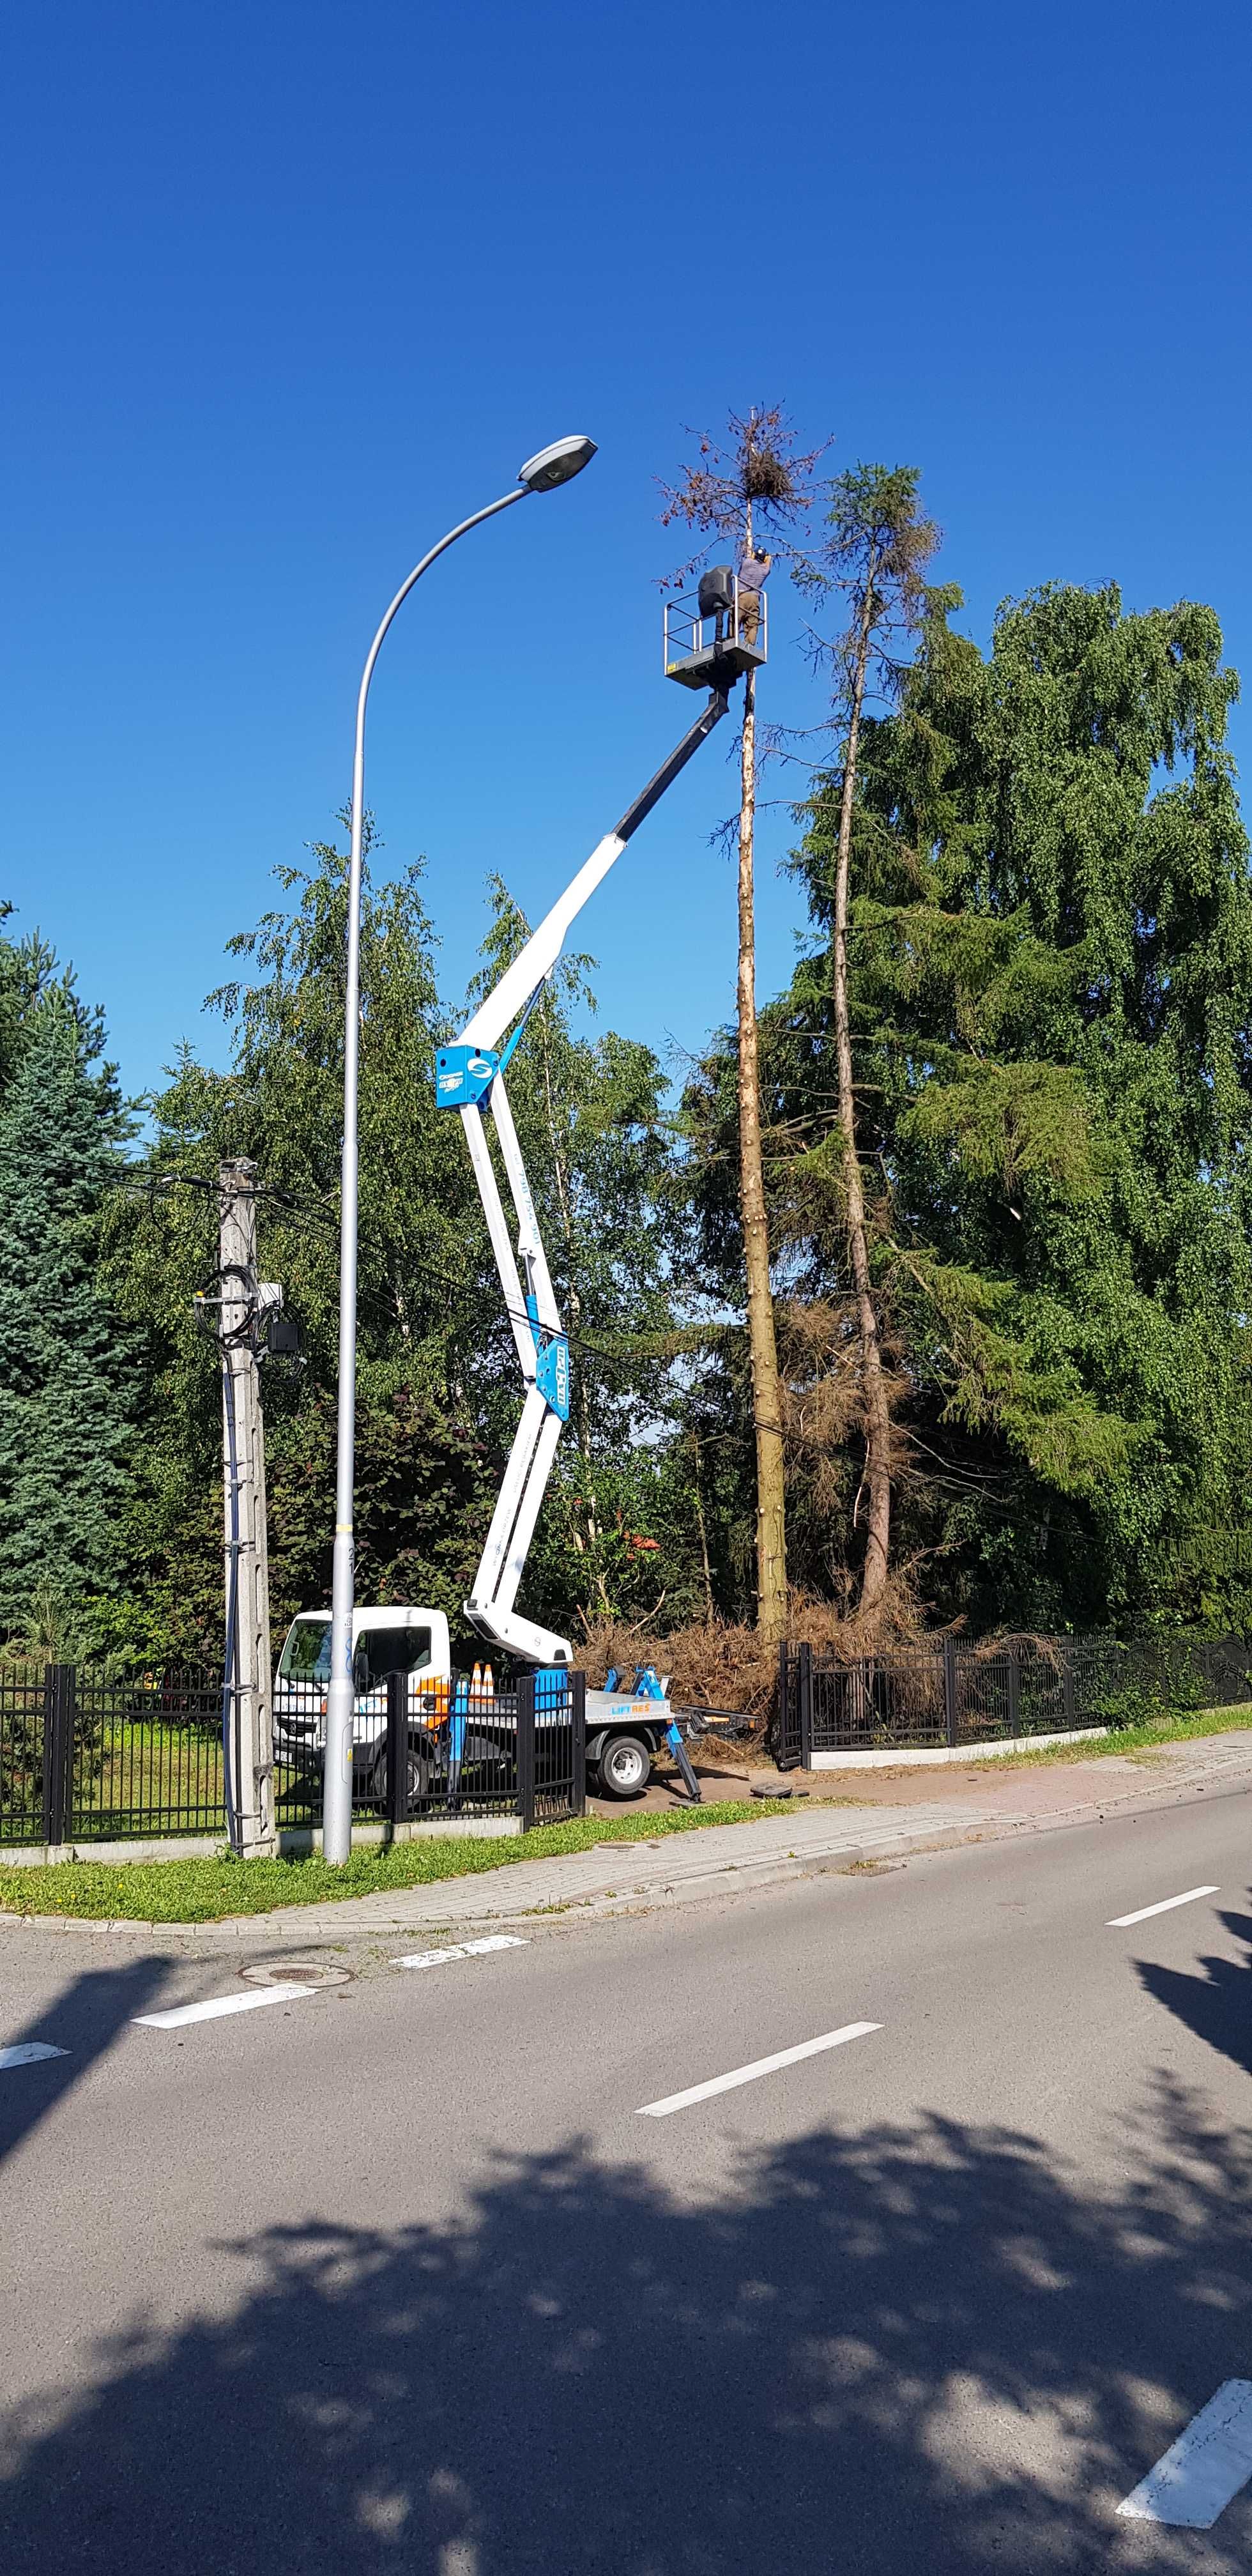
(590, 1884)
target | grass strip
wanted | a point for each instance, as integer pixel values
(208, 1889)
(1147, 1737)
(211, 1889)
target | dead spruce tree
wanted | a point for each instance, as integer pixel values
(737, 494)
(873, 563)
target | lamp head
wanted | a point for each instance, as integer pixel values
(557, 464)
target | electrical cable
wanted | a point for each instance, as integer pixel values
(516, 1314)
(456, 1287)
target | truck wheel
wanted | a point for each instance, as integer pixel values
(417, 1784)
(624, 1766)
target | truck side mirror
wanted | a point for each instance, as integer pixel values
(360, 1672)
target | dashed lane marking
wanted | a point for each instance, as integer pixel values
(27, 2052)
(218, 2006)
(1121, 1922)
(760, 2066)
(1195, 2480)
(461, 1950)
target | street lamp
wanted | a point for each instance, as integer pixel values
(552, 466)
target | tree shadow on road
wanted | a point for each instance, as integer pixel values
(1216, 2005)
(594, 2374)
(82, 2022)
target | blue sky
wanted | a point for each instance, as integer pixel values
(292, 286)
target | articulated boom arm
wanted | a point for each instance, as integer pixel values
(470, 1077)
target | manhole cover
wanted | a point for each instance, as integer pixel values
(296, 1972)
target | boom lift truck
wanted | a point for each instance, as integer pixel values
(703, 649)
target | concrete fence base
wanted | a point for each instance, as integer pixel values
(997, 1749)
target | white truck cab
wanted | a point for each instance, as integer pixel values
(413, 1641)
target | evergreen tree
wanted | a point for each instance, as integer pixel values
(29, 971)
(873, 559)
(1050, 993)
(65, 1391)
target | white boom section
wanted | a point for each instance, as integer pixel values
(541, 951)
(528, 1295)
(498, 1229)
(534, 1258)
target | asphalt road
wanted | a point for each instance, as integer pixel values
(396, 2275)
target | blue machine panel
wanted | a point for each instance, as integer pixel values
(552, 1373)
(463, 1075)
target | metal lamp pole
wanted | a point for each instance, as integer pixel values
(542, 473)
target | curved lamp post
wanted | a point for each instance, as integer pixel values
(542, 473)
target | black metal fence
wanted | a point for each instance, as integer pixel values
(84, 1758)
(458, 1749)
(956, 1693)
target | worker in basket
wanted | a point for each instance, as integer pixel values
(754, 571)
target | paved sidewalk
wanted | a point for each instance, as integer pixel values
(720, 1859)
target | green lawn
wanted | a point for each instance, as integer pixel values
(202, 1891)
(1145, 1738)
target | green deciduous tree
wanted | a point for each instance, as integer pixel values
(281, 1103)
(591, 1116)
(438, 1388)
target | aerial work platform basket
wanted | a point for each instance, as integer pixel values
(716, 632)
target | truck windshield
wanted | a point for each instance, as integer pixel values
(306, 1655)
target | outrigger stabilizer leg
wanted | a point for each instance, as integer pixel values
(673, 1738)
(470, 1077)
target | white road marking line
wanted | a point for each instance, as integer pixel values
(461, 1950)
(760, 2066)
(1204, 2468)
(27, 2052)
(217, 2005)
(1121, 1922)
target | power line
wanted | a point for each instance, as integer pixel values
(577, 1341)
(303, 1212)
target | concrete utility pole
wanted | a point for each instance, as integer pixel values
(249, 1711)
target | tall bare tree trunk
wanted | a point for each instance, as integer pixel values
(704, 1537)
(771, 1550)
(877, 1415)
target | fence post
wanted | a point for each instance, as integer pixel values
(578, 1743)
(58, 1752)
(1067, 1682)
(398, 1748)
(949, 1688)
(806, 1708)
(781, 1730)
(1015, 1693)
(526, 1750)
